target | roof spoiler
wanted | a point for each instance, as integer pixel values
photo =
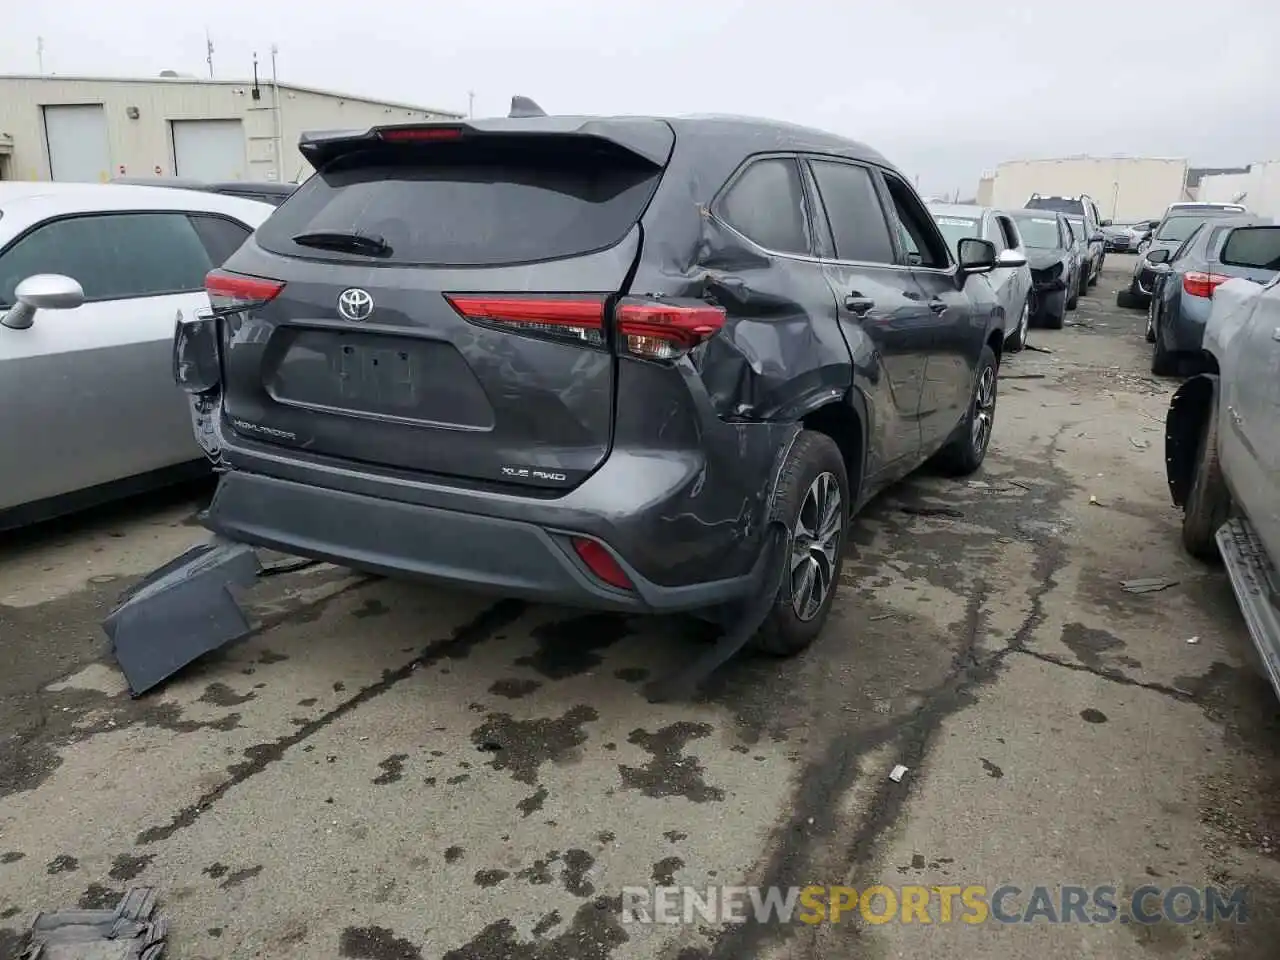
(648, 139)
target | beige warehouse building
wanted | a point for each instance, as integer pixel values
(1124, 188)
(93, 128)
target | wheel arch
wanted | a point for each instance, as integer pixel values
(844, 421)
(1191, 405)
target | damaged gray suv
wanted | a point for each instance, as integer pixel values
(590, 361)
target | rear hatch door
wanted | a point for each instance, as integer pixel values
(444, 301)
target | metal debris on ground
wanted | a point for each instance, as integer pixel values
(897, 773)
(1193, 639)
(917, 511)
(1022, 376)
(132, 931)
(1032, 346)
(882, 616)
(1140, 444)
(1094, 501)
(1148, 584)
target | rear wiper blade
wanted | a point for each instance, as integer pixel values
(369, 243)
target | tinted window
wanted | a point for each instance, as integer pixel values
(1216, 240)
(766, 204)
(1178, 228)
(853, 208)
(918, 234)
(493, 204)
(1009, 232)
(1040, 232)
(112, 256)
(1257, 247)
(955, 229)
(221, 237)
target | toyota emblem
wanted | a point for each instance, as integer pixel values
(355, 304)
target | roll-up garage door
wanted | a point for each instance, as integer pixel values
(209, 149)
(76, 135)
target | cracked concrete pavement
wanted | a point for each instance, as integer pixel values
(384, 770)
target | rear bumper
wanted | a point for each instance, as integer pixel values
(1184, 330)
(484, 553)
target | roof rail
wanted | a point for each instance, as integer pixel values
(525, 107)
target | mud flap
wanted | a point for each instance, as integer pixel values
(684, 683)
(181, 612)
(132, 931)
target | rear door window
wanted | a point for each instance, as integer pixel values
(479, 205)
(221, 236)
(118, 256)
(765, 203)
(854, 213)
(918, 234)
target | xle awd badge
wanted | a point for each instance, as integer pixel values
(355, 304)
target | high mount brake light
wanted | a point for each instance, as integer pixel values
(1202, 284)
(419, 134)
(234, 291)
(651, 329)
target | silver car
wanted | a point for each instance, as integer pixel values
(1011, 280)
(92, 277)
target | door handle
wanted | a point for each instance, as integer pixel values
(938, 306)
(858, 304)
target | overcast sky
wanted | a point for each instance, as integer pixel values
(944, 89)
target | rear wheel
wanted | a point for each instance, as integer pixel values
(1208, 504)
(967, 447)
(813, 501)
(1018, 339)
(1073, 292)
(1164, 363)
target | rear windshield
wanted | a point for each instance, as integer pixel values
(1179, 228)
(1061, 204)
(469, 205)
(955, 229)
(1039, 232)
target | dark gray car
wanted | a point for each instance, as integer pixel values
(589, 360)
(1182, 292)
(1047, 240)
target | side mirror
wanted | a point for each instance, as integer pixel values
(976, 256)
(1011, 258)
(1105, 223)
(1098, 237)
(43, 291)
(1158, 256)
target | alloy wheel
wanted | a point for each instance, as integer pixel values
(814, 545)
(984, 409)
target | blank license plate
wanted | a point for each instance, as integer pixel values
(376, 376)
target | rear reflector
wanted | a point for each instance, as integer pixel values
(234, 291)
(561, 318)
(1202, 284)
(659, 330)
(602, 563)
(419, 134)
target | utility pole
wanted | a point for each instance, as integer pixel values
(208, 47)
(275, 96)
(40, 55)
(471, 103)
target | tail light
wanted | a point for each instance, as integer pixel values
(659, 330)
(229, 292)
(602, 563)
(576, 319)
(647, 328)
(1202, 284)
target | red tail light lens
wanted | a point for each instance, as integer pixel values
(1202, 284)
(580, 320)
(234, 291)
(602, 563)
(657, 330)
(419, 134)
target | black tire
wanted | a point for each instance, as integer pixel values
(1150, 334)
(1163, 362)
(1017, 342)
(1208, 504)
(785, 631)
(1073, 292)
(1054, 317)
(1129, 300)
(965, 450)
(1097, 274)
(1085, 276)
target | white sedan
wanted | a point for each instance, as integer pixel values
(92, 277)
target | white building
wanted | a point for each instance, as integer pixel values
(1257, 187)
(1124, 188)
(93, 128)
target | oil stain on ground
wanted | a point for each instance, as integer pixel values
(376, 943)
(594, 934)
(567, 648)
(525, 745)
(670, 772)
